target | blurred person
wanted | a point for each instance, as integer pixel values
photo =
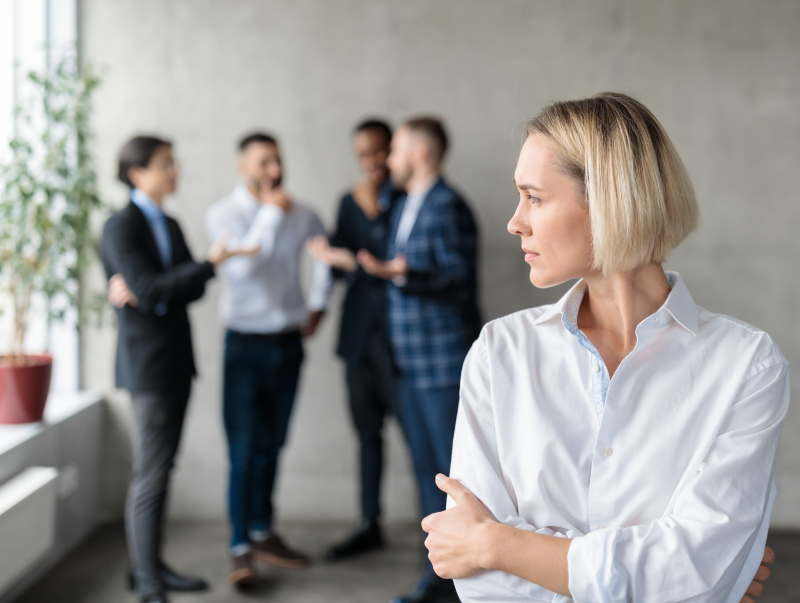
(433, 311)
(364, 344)
(152, 279)
(265, 314)
(618, 445)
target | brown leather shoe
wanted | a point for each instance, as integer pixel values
(242, 572)
(275, 552)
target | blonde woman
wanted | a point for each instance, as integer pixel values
(618, 445)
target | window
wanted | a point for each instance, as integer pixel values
(29, 31)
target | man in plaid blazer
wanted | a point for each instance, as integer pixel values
(433, 311)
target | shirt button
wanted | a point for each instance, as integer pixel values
(595, 368)
(606, 451)
(601, 527)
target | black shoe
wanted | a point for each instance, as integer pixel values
(366, 538)
(162, 598)
(432, 589)
(172, 581)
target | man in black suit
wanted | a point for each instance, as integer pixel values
(152, 279)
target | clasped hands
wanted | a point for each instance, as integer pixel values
(344, 259)
(462, 541)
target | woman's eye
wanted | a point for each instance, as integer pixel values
(533, 199)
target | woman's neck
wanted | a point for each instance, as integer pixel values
(613, 307)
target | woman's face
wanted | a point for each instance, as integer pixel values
(552, 217)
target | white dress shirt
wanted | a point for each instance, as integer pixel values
(262, 294)
(408, 218)
(665, 483)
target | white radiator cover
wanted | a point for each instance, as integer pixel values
(27, 521)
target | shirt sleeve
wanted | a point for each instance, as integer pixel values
(476, 464)
(321, 282)
(696, 552)
(262, 232)
(156, 291)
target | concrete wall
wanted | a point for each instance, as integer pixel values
(722, 75)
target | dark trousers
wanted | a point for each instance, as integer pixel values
(372, 385)
(429, 422)
(158, 421)
(260, 382)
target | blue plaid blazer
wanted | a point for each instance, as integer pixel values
(433, 316)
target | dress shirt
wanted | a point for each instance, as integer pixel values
(665, 485)
(411, 209)
(157, 220)
(262, 294)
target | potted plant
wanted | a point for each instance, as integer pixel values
(48, 194)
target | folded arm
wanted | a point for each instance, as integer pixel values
(704, 541)
(179, 285)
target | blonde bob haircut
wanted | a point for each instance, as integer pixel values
(640, 199)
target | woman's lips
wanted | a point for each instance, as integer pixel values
(530, 255)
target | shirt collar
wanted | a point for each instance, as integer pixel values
(422, 194)
(680, 304)
(150, 209)
(243, 193)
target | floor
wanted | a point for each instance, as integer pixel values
(94, 572)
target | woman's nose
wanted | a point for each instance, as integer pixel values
(517, 225)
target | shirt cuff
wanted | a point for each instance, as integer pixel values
(590, 562)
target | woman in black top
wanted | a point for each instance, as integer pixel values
(364, 344)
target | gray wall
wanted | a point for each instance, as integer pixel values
(722, 75)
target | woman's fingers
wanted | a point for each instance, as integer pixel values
(755, 589)
(762, 573)
(427, 524)
(769, 556)
(452, 487)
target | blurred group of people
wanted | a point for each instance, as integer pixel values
(405, 246)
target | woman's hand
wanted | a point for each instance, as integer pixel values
(762, 575)
(335, 257)
(456, 541)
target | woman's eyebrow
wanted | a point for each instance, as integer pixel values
(526, 187)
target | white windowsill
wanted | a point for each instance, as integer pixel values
(59, 408)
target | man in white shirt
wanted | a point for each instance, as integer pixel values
(264, 310)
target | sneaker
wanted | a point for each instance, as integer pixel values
(242, 572)
(275, 552)
(367, 537)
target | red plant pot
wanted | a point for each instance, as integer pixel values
(24, 388)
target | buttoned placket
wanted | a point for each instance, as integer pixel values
(603, 470)
(605, 462)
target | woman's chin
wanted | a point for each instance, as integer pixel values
(544, 280)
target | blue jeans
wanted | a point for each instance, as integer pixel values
(260, 381)
(429, 421)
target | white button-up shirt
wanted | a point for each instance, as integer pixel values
(664, 480)
(408, 218)
(262, 294)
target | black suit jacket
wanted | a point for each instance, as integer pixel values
(154, 352)
(364, 306)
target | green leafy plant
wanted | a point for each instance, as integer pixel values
(48, 195)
